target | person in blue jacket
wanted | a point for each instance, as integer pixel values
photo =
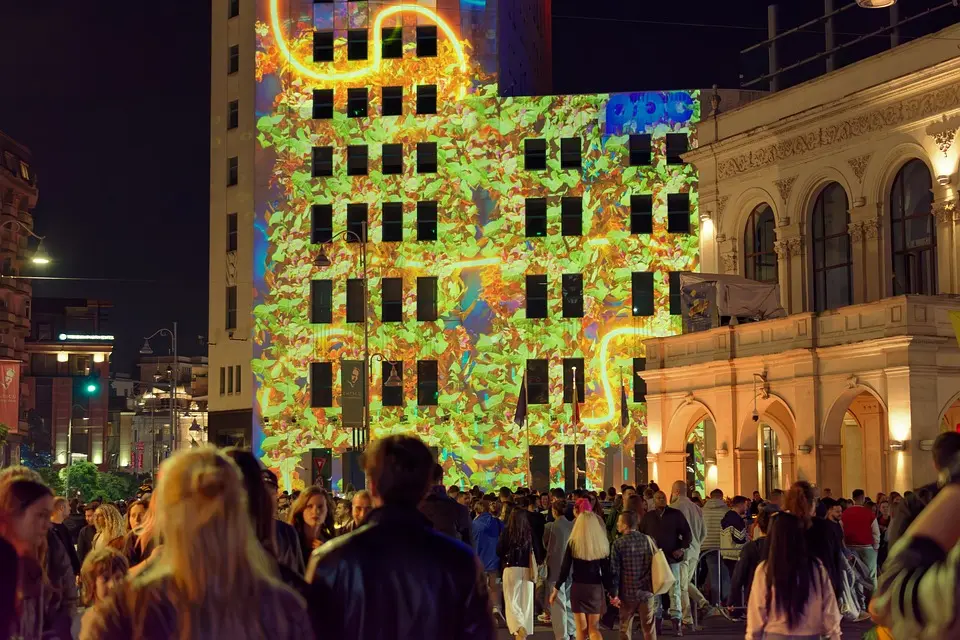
(486, 532)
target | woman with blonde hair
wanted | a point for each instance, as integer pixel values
(312, 516)
(111, 528)
(588, 558)
(211, 579)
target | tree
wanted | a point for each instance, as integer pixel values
(117, 486)
(81, 477)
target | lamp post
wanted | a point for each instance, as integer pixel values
(359, 438)
(66, 485)
(174, 372)
(39, 256)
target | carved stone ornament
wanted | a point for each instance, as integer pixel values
(943, 132)
(784, 186)
(903, 111)
(945, 211)
(782, 247)
(729, 260)
(852, 382)
(871, 229)
(855, 229)
(796, 245)
(688, 399)
(859, 165)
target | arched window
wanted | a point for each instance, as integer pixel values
(759, 256)
(832, 263)
(913, 236)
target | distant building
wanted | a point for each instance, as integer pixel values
(66, 381)
(18, 196)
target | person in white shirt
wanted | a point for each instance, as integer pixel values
(688, 568)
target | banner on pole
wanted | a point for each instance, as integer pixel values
(10, 393)
(352, 396)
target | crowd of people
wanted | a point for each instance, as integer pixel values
(218, 551)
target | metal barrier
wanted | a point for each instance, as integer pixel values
(701, 560)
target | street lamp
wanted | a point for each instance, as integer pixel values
(39, 256)
(173, 372)
(876, 4)
(69, 460)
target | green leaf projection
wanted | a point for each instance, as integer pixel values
(482, 255)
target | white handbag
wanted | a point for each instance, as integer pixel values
(663, 578)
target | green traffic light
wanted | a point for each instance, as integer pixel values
(91, 388)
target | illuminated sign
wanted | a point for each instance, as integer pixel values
(85, 338)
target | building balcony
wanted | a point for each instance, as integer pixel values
(901, 316)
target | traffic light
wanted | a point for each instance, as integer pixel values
(90, 385)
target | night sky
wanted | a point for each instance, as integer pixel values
(112, 98)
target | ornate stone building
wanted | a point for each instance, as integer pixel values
(844, 191)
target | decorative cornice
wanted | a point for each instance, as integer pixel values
(859, 165)
(784, 186)
(908, 110)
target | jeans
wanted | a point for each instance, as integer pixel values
(868, 555)
(644, 611)
(719, 577)
(676, 608)
(688, 587)
(561, 615)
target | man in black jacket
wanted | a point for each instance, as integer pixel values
(671, 531)
(85, 537)
(396, 577)
(447, 515)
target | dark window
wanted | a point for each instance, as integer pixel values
(239, 376)
(357, 103)
(427, 42)
(232, 232)
(537, 296)
(641, 214)
(233, 59)
(571, 216)
(759, 254)
(427, 290)
(676, 146)
(569, 364)
(322, 104)
(357, 222)
(832, 257)
(426, 99)
(355, 310)
(391, 290)
(913, 231)
(572, 289)
(321, 223)
(640, 150)
(675, 306)
(426, 221)
(392, 395)
(323, 46)
(642, 293)
(639, 384)
(229, 380)
(428, 383)
(233, 114)
(392, 222)
(538, 382)
(392, 159)
(357, 160)
(391, 42)
(536, 215)
(321, 384)
(357, 44)
(570, 149)
(321, 301)
(223, 380)
(392, 98)
(322, 161)
(535, 154)
(231, 319)
(426, 157)
(678, 213)
(233, 171)
(233, 8)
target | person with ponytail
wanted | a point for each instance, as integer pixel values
(211, 578)
(821, 538)
(791, 595)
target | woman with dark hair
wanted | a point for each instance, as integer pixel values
(822, 539)
(515, 549)
(133, 550)
(791, 595)
(312, 516)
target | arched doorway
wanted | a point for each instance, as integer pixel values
(701, 463)
(950, 416)
(853, 444)
(765, 457)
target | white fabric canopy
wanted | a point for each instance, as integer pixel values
(736, 296)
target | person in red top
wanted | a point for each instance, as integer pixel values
(862, 533)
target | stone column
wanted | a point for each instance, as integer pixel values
(875, 269)
(788, 470)
(912, 402)
(867, 411)
(947, 215)
(747, 473)
(855, 229)
(669, 467)
(831, 468)
(782, 247)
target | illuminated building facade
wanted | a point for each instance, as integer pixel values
(844, 191)
(507, 234)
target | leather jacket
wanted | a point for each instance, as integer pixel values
(394, 578)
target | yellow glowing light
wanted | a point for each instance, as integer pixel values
(98, 357)
(304, 70)
(900, 426)
(706, 227)
(653, 442)
(63, 356)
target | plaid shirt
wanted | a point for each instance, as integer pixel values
(631, 559)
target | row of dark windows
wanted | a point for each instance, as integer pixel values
(537, 297)
(391, 44)
(428, 382)
(571, 149)
(571, 218)
(358, 102)
(358, 159)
